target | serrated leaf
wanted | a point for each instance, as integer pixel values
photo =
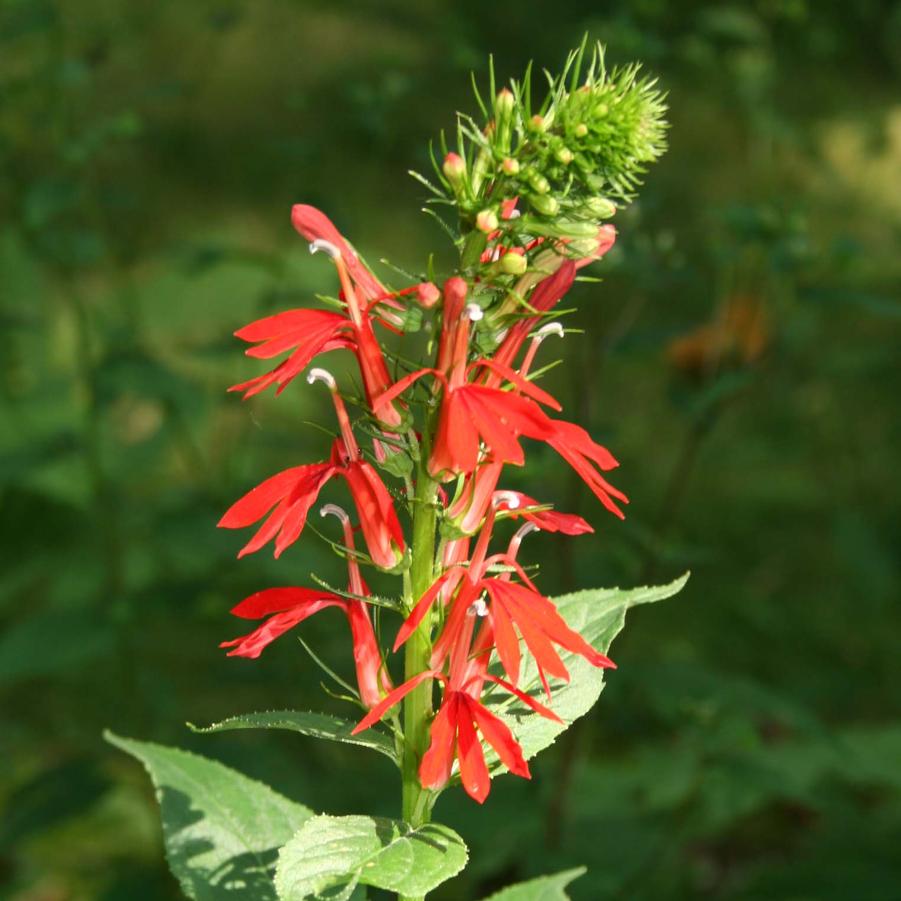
(222, 830)
(544, 888)
(335, 854)
(317, 725)
(598, 615)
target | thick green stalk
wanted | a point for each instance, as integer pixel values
(418, 704)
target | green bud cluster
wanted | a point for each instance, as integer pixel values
(571, 160)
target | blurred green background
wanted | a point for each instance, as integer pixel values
(740, 358)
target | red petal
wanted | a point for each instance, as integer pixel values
(530, 389)
(301, 499)
(506, 641)
(417, 614)
(290, 321)
(537, 706)
(381, 529)
(260, 500)
(252, 645)
(498, 735)
(277, 600)
(391, 699)
(313, 224)
(435, 768)
(268, 530)
(492, 425)
(473, 771)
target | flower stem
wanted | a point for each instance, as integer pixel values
(418, 704)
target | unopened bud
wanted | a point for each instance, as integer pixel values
(513, 263)
(581, 130)
(537, 123)
(510, 166)
(486, 221)
(454, 168)
(600, 207)
(504, 102)
(564, 155)
(427, 294)
(545, 204)
(539, 183)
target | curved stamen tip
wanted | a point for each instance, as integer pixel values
(478, 607)
(326, 247)
(322, 375)
(474, 312)
(551, 328)
(510, 498)
(334, 510)
(525, 529)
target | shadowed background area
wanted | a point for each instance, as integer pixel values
(740, 358)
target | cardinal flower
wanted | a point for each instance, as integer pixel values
(515, 610)
(285, 499)
(460, 720)
(308, 333)
(287, 607)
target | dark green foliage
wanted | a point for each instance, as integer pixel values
(740, 358)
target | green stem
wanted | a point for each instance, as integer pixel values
(418, 704)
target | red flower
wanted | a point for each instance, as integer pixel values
(292, 492)
(306, 333)
(546, 520)
(287, 607)
(513, 608)
(454, 732)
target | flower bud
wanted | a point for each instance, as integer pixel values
(545, 204)
(486, 221)
(454, 168)
(512, 263)
(427, 294)
(504, 102)
(581, 130)
(537, 123)
(538, 182)
(510, 166)
(564, 155)
(599, 208)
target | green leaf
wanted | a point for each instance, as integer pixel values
(336, 854)
(318, 725)
(222, 830)
(598, 615)
(544, 888)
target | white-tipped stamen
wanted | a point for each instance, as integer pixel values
(326, 247)
(335, 510)
(478, 607)
(550, 328)
(510, 498)
(525, 529)
(514, 214)
(322, 375)
(474, 312)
